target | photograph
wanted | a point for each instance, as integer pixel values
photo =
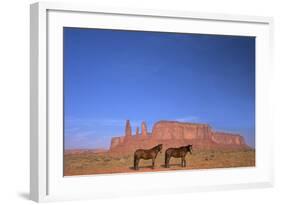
(149, 101)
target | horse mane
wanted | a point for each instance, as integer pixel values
(157, 146)
(187, 146)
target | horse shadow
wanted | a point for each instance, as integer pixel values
(146, 166)
(161, 166)
(172, 166)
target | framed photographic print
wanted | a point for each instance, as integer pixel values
(125, 97)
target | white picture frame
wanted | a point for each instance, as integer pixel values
(46, 179)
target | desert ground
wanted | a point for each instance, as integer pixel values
(88, 163)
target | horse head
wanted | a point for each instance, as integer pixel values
(159, 147)
(189, 148)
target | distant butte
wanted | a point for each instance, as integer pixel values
(173, 134)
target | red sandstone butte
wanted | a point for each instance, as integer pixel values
(172, 134)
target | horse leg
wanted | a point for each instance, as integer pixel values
(136, 163)
(182, 161)
(153, 162)
(167, 160)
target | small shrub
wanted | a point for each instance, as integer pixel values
(107, 159)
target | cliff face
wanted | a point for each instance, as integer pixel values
(227, 138)
(167, 130)
(172, 133)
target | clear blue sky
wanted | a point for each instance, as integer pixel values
(112, 75)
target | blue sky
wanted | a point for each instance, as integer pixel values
(113, 75)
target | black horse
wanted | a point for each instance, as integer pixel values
(146, 154)
(179, 152)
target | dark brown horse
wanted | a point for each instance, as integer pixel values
(146, 154)
(179, 152)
